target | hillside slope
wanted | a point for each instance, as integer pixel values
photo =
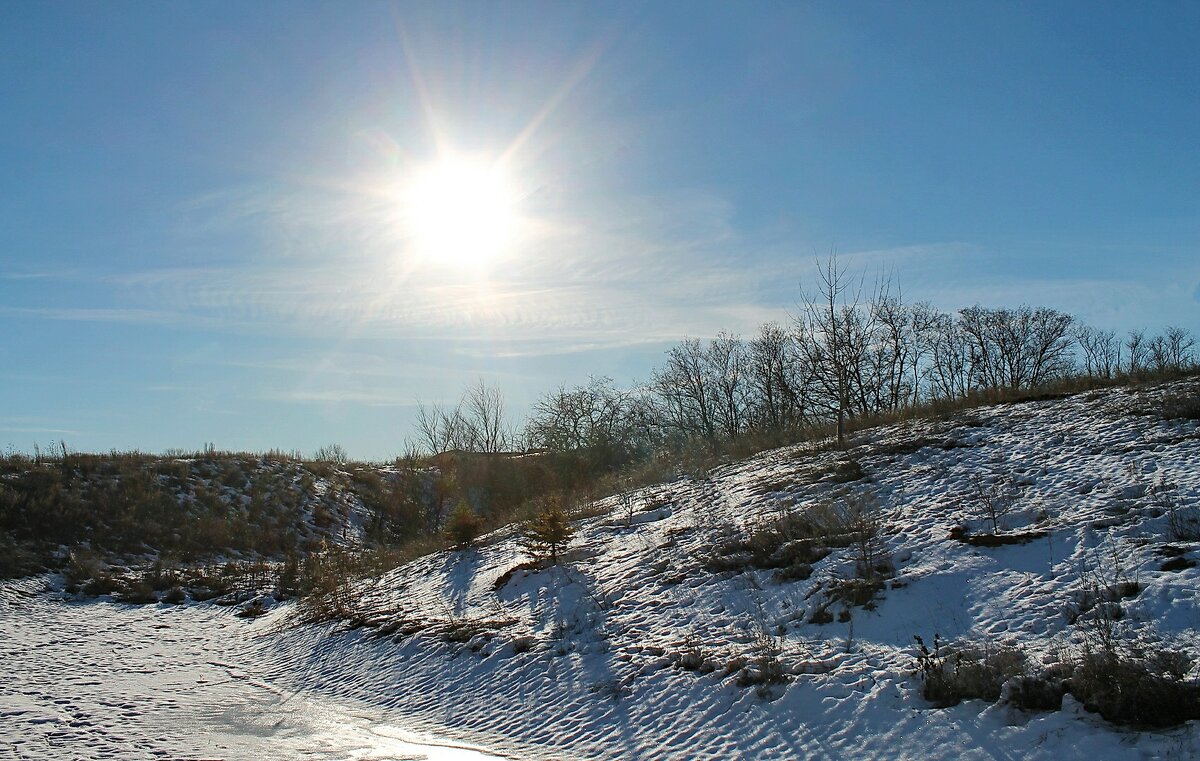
(764, 610)
(743, 614)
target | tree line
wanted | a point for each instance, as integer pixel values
(848, 352)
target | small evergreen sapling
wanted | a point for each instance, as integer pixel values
(549, 531)
(464, 526)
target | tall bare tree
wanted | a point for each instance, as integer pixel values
(475, 424)
(487, 428)
(1136, 351)
(949, 372)
(1016, 348)
(896, 348)
(1173, 349)
(686, 392)
(1047, 342)
(1100, 349)
(778, 379)
(441, 429)
(726, 365)
(834, 335)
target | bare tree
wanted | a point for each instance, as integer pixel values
(683, 387)
(726, 370)
(896, 349)
(924, 321)
(1016, 348)
(1101, 351)
(778, 379)
(475, 424)
(487, 430)
(1172, 350)
(994, 498)
(1047, 341)
(643, 412)
(1181, 343)
(440, 429)
(594, 418)
(949, 370)
(1136, 350)
(833, 339)
(979, 328)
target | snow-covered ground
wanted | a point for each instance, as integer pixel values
(105, 681)
(586, 660)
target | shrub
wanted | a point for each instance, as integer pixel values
(464, 526)
(769, 545)
(288, 583)
(16, 558)
(765, 672)
(1182, 406)
(1150, 691)
(161, 576)
(872, 561)
(846, 471)
(1183, 521)
(1097, 606)
(476, 632)
(332, 454)
(789, 543)
(993, 499)
(137, 592)
(1117, 674)
(328, 583)
(83, 568)
(962, 533)
(856, 592)
(821, 615)
(524, 644)
(1178, 563)
(969, 671)
(254, 609)
(175, 595)
(103, 583)
(1042, 692)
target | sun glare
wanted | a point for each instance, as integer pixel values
(460, 213)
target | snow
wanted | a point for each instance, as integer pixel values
(98, 680)
(583, 660)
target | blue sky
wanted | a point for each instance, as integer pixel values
(196, 248)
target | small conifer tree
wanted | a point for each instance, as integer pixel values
(547, 533)
(464, 526)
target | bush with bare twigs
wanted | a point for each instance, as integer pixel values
(953, 672)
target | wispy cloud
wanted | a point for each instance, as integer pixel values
(646, 269)
(168, 388)
(38, 429)
(42, 275)
(589, 274)
(135, 316)
(368, 397)
(626, 285)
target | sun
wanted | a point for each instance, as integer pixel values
(460, 212)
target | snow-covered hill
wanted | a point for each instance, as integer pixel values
(652, 640)
(768, 608)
